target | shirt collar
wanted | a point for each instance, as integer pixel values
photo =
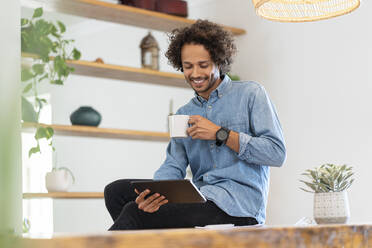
(219, 91)
(224, 86)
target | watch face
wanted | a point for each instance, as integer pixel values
(222, 135)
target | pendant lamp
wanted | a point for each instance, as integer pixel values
(303, 10)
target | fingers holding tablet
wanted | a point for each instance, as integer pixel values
(149, 202)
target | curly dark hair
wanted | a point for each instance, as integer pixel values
(216, 40)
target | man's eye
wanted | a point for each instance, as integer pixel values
(187, 67)
(204, 66)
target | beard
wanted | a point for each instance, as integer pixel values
(210, 81)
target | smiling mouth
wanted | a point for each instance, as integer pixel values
(198, 81)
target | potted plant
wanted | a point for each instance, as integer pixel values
(59, 179)
(329, 182)
(42, 42)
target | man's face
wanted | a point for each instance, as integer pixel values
(199, 70)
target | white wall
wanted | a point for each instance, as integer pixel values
(319, 77)
(316, 74)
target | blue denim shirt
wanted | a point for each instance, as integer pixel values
(236, 182)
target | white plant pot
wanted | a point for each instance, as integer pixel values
(331, 208)
(58, 181)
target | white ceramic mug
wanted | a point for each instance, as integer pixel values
(178, 124)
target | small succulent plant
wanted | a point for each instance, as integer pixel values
(328, 178)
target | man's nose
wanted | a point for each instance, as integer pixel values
(195, 72)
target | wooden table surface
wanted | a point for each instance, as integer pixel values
(258, 237)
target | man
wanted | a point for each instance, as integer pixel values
(235, 135)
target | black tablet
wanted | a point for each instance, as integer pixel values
(175, 191)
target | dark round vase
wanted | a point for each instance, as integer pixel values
(85, 116)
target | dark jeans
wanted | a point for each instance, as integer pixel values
(120, 197)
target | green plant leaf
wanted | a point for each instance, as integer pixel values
(49, 132)
(41, 133)
(38, 12)
(60, 66)
(310, 185)
(45, 57)
(57, 81)
(336, 176)
(43, 77)
(343, 185)
(27, 88)
(38, 68)
(76, 54)
(351, 181)
(26, 75)
(33, 150)
(62, 26)
(24, 21)
(348, 175)
(324, 187)
(313, 175)
(55, 32)
(306, 190)
(40, 103)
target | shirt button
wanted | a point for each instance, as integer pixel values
(209, 106)
(212, 145)
(220, 95)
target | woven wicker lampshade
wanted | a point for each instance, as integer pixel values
(303, 10)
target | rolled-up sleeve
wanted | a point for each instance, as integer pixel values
(266, 145)
(174, 166)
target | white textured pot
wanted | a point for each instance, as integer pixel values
(57, 181)
(331, 208)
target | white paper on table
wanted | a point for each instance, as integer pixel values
(226, 226)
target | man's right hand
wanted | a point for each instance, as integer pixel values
(152, 203)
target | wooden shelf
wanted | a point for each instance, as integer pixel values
(65, 195)
(94, 69)
(87, 131)
(116, 13)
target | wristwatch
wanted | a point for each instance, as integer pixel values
(222, 135)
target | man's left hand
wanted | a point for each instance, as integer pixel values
(202, 128)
